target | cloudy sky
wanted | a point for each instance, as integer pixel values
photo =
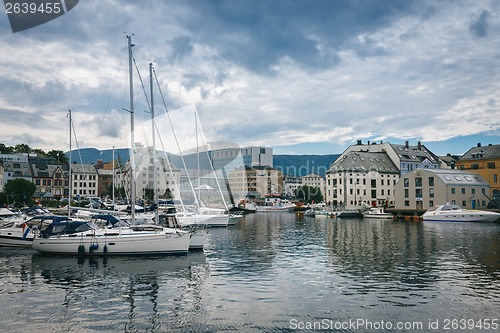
(301, 76)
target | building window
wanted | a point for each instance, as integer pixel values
(464, 203)
(491, 165)
(431, 193)
(418, 182)
(463, 190)
(418, 193)
(495, 178)
(374, 194)
(406, 182)
(407, 203)
(474, 166)
(431, 181)
(431, 203)
(452, 190)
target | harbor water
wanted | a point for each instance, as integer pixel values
(272, 272)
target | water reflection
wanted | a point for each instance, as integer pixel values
(258, 275)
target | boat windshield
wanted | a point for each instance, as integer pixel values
(451, 207)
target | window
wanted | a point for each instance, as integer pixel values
(463, 190)
(406, 182)
(491, 165)
(473, 191)
(407, 193)
(418, 182)
(374, 183)
(464, 203)
(452, 190)
(431, 203)
(418, 193)
(374, 194)
(407, 203)
(495, 178)
(431, 193)
(431, 181)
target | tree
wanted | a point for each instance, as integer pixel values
(308, 194)
(59, 155)
(5, 149)
(22, 149)
(20, 191)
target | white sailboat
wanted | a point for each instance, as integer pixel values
(85, 238)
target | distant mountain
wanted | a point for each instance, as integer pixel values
(294, 165)
(303, 165)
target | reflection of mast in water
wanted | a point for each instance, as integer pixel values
(138, 291)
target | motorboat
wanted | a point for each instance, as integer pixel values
(455, 213)
(378, 213)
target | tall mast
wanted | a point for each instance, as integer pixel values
(132, 160)
(70, 175)
(155, 177)
(114, 174)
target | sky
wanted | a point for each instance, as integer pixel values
(301, 76)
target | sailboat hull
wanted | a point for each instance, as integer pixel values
(126, 242)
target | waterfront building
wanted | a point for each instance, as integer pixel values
(406, 157)
(361, 177)
(84, 180)
(314, 180)
(484, 161)
(290, 184)
(422, 189)
(14, 170)
(51, 180)
(257, 181)
(231, 159)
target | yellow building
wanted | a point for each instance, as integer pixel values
(485, 161)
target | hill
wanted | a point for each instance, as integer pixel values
(303, 165)
(294, 165)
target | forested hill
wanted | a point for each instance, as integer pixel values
(303, 165)
(294, 165)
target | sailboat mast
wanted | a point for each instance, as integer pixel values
(155, 176)
(132, 160)
(114, 175)
(70, 175)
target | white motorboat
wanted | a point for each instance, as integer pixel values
(454, 213)
(378, 213)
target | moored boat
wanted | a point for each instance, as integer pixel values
(377, 212)
(455, 213)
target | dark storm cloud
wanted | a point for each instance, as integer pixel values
(257, 35)
(479, 24)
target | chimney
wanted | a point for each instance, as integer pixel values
(407, 144)
(419, 145)
(359, 142)
(479, 144)
(368, 142)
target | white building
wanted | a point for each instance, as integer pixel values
(358, 178)
(314, 180)
(84, 180)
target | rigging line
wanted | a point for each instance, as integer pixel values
(175, 138)
(197, 119)
(142, 85)
(78, 147)
(106, 109)
(177, 188)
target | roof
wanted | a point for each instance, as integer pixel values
(482, 153)
(407, 153)
(457, 177)
(357, 161)
(83, 168)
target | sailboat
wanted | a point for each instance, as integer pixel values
(85, 238)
